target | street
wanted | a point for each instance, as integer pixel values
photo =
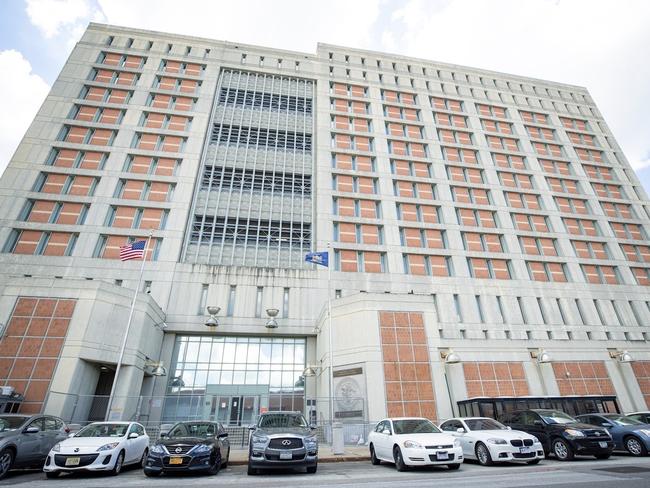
(622, 471)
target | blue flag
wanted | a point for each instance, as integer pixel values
(321, 258)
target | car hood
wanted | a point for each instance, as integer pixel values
(503, 434)
(279, 432)
(577, 425)
(187, 441)
(89, 441)
(426, 439)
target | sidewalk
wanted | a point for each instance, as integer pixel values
(352, 453)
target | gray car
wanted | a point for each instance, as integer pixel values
(282, 440)
(26, 440)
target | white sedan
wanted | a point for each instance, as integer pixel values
(100, 446)
(413, 442)
(488, 441)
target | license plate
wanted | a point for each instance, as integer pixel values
(524, 450)
(603, 444)
(175, 460)
(441, 456)
(286, 455)
(72, 461)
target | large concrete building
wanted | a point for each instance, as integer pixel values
(488, 238)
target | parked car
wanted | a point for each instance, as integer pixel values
(629, 434)
(561, 434)
(488, 441)
(640, 416)
(25, 440)
(413, 442)
(100, 446)
(282, 440)
(189, 447)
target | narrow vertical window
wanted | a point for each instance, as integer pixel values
(500, 307)
(203, 302)
(479, 307)
(285, 303)
(258, 301)
(231, 301)
(522, 310)
(459, 312)
(559, 307)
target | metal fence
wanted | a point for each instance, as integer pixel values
(159, 413)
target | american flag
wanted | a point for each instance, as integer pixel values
(134, 250)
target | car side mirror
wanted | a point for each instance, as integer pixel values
(508, 427)
(133, 435)
(538, 422)
(606, 424)
(223, 435)
(313, 426)
(71, 434)
(385, 431)
(460, 430)
(252, 427)
(32, 430)
(163, 434)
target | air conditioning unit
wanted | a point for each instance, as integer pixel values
(7, 390)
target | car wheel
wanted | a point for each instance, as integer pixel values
(251, 471)
(6, 460)
(152, 474)
(52, 474)
(145, 455)
(214, 469)
(562, 450)
(483, 455)
(312, 469)
(400, 465)
(454, 467)
(373, 457)
(634, 446)
(534, 461)
(119, 462)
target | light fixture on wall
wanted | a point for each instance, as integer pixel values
(212, 320)
(310, 371)
(450, 357)
(541, 355)
(272, 323)
(156, 368)
(622, 356)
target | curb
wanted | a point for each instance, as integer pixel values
(340, 459)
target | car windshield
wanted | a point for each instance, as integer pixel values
(556, 417)
(282, 421)
(103, 430)
(484, 424)
(623, 420)
(8, 422)
(193, 429)
(414, 426)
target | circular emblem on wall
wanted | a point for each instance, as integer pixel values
(348, 395)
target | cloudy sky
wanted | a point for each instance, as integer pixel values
(602, 45)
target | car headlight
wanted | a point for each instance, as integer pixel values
(456, 443)
(158, 449)
(496, 440)
(311, 441)
(412, 445)
(259, 441)
(574, 433)
(645, 432)
(57, 447)
(108, 447)
(201, 449)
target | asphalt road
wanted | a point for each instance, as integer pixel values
(618, 471)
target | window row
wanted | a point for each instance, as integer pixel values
(176, 84)
(190, 69)
(122, 60)
(403, 113)
(108, 247)
(349, 106)
(136, 218)
(149, 165)
(36, 242)
(170, 102)
(348, 90)
(353, 162)
(62, 184)
(261, 137)
(351, 123)
(360, 261)
(151, 191)
(352, 143)
(99, 115)
(50, 212)
(154, 120)
(86, 135)
(105, 95)
(360, 184)
(114, 77)
(222, 178)
(232, 97)
(72, 158)
(358, 233)
(155, 142)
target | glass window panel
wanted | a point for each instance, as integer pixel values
(251, 377)
(200, 379)
(241, 352)
(213, 377)
(287, 354)
(276, 353)
(263, 378)
(265, 353)
(300, 354)
(226, 377)
(192, 352)
(253, 354)
(204, 352)
(229, 352)
(276, 379)
(238, 377)
(217, 353)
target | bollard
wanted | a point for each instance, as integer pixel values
(337, 438)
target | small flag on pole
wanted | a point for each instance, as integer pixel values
(321, 258)
(134, 250)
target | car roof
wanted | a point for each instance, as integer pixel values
(405, 418)
(639, 413)
(283, 412)
(118, 422)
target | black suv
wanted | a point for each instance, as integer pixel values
(282, 440)
(561, 434)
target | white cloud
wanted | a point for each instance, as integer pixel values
(50, 16)
(23, 93)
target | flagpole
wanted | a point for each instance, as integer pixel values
(126, 333)
(330, 334)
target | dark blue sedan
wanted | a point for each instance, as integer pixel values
(628, 434)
